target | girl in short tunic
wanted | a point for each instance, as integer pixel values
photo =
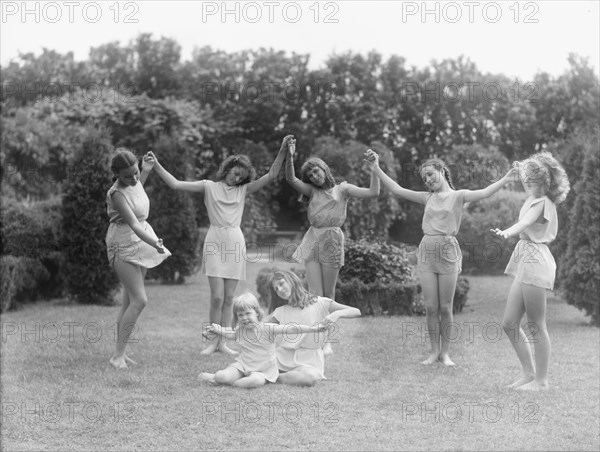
(223, 256)
(439, 257)
(300, 359)
(131, 244)
(533, 266)
(256, 363)
(322, 248)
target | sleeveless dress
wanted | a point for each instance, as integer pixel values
(324, 240)
(305, 349)
(224, 253)
(121, 242)
(257, 352)
(439, 251)
(532, 262)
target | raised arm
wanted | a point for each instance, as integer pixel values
(476, 195)
(415, 196)
(147, 165)
(341, 311)
(274, 170)
(290, 174)
(122, 206)
(364, 193)
(171, 181)
(530, 217)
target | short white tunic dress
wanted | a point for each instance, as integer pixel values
(324, 240)
(224, 253)
(257, 352)
(532, 262)
(304, 349)
(121, 242)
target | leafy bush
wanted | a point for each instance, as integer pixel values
(482, 251)
(380, 299)
(376, 262)
(88, 275)
(579, 267)
(31, 235)
(20, 277)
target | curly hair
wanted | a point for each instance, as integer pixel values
(299, 297)
(244, 302)
(307, 167)
(440, 166)
(549, 173)
(241, 161)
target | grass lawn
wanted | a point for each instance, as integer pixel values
(59, 393)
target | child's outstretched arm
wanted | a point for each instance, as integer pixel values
(220, 331)
(274, 170)
(174, 183)
(364, 193)
(476, 195)
(340, 311)
(294, 328)
(372, 161)
(532, 215)
(290, 174)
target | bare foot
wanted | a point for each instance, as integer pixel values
(210, 348)
(129, 360)
(327, 350)
(207, 377)
(432, 358)
(118, 363)
(521, 381)
(223, 348)
(534, 386)
(446, 361)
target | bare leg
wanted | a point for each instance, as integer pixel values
(429, 285)
(314, 278)
(251, 381)
(227, 313)
(535, 306)
(228, 376)
(447, 286)
(217, 293)
(303, 376)
(511, 323)
(330, 276)
(132, 277)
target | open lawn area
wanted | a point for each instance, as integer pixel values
(60, 393)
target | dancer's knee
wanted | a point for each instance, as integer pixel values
(216, 302)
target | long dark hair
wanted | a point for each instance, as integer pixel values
(305, 169)
(440, 166)
(237, 160)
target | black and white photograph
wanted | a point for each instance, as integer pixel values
(300, 225)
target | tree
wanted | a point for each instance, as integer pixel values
(89, 278)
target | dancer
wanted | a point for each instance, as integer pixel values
(439, 257)
(132, 246)
(256, 364)
(301, 362)
(533, 266)
(223, 259)
(322, 248)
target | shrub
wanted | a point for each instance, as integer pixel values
(380, 299)
(173, 215)
(20, 277)
(88, 275)
(33, 233)
(376, 262)
(579, 267)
